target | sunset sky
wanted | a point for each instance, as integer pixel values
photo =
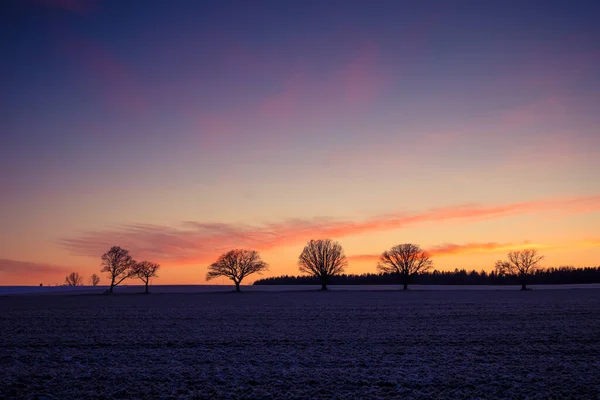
(182, 129)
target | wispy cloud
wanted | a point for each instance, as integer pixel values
(446, 249)
(15, 272)
(450, 249)
(302, 97)
(545, 109)
(352, 87)
(23, 268)
(198, 242)
(114, 80)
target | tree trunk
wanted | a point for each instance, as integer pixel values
(404, 281)
(146, 286)
(237, 287)
(523, 282)
(323, 280)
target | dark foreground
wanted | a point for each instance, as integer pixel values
(351, 345)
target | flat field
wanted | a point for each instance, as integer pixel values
(302, 344)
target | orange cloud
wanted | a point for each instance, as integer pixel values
(452, 249)
(197, 242)
(24, 267)
(24, 272)
(447, 249)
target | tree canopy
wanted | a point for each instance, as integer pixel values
(74, 279)
(118, 264)
(520, 263)
(145, 270)
(322, 258)
(236, 265)
(404, 260)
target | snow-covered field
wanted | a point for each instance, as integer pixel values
(302, 344)
(265, 288)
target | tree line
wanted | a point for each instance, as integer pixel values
(542, 276)
(323, 262)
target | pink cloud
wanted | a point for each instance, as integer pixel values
(215, 131)
(530, 114)
(288, 102)
(105, 73)
(550, 66)
(303, 98)
(352, 87)
(197, 242)
(553, 150)
(359, 79)
(24, 267)
(553, 66)
(15, 272)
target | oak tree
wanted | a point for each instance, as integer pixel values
(236, 265)
(94, 280)
(118, 265)
(145, 270)
(404, 261)
(521, 264)
(74, 279)
(322, 258)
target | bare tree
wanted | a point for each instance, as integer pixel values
(520, 263)
(322, 258)
(118, 264)
(74, 279)
(236, 265)
(94, 280)
(145, 270)
(404, 260)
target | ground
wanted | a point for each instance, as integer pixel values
(302, 344)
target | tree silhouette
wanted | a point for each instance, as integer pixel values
(323, 259)
(74, 279)
(520, 263)
(541, 276)
(404, 261)
(236, 265)
(94, 280)
(118, 264)
(145, 270)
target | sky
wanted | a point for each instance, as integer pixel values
(182, 129)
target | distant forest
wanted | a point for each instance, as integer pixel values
(547, 276)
